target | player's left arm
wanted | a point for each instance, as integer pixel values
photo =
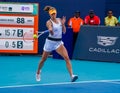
(63, 20)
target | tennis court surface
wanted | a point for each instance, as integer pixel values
(78, 87)
(18, 76)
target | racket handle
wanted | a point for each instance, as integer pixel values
(46, 31)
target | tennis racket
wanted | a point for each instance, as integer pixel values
(41, 33)
(28, 37)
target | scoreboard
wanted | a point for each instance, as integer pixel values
(15, 20)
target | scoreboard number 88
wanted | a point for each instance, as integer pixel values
(20, 20)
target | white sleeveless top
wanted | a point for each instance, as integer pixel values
(57, 29)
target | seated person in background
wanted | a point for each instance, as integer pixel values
(111, 20)
(75, 22)
(92, 19)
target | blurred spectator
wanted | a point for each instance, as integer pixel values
(92, 19)
(110, 20)
(75, 23)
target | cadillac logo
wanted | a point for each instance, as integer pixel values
(106, 41)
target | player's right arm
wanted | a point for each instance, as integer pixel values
(49, 26)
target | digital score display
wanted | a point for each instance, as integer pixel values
(17, 20)
(14, 24)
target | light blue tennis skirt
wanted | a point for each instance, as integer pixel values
(51, 45)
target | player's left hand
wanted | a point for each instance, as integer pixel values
(63, 20)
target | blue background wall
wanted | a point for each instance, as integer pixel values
(113, 5)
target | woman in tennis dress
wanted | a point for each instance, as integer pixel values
(56, 27)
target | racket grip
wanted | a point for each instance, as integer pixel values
(46, 31)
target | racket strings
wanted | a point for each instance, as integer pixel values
(28, 37)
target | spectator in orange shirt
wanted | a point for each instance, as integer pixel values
(92, 19)
(75, 23)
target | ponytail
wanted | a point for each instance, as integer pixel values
(48, 8)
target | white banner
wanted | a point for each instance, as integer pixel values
(13, 44)
(14, 32)
(16, 8)
(11, 38)
(16, 20)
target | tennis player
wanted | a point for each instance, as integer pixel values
(54, 41)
